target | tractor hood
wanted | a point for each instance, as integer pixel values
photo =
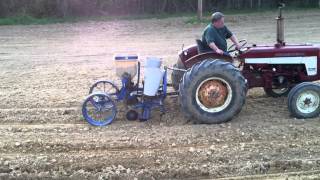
(301, 50)
(306, 54)
(317, 45)
(293, 50)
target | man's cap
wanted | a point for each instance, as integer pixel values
(216, 16)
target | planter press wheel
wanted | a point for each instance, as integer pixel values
(106, 87)
(99, 109)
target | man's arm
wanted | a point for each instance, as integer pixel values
(215, 48)
(233, 38)
(210, 38)
(235, 41)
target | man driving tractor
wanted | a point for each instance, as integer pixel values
(215, 35)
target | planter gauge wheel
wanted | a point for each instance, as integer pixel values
(99, 109)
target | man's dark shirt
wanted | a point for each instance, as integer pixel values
(218, 36)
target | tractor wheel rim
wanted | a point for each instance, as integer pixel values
(308, 102)
(213, 95)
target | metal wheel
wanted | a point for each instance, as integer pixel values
(277, 92)
(280, 87)
(308, 101)
(280, 91)
(99, 109)
(213, 94)
(304, 100)
(106, 87)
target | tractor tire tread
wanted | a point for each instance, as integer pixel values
(205, 69)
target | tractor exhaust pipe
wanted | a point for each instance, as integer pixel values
(280, 26)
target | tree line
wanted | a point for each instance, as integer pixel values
(61, 8)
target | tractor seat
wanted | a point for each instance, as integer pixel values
(201, 46)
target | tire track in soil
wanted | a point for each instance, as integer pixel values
(217, 166)
(60, 147)
(276, 176)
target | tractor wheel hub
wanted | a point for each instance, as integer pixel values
(213, 93)
(308, 102)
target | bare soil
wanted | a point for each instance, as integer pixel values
(46, 72)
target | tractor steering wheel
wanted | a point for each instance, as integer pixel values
(242, 43)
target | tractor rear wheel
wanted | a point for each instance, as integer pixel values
(304, 101)
(212, 92)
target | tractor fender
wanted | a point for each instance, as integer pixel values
(200, 57)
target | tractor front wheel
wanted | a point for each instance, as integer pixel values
(212, 92)
(304, 101)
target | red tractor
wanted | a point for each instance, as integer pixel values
(213, 87)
